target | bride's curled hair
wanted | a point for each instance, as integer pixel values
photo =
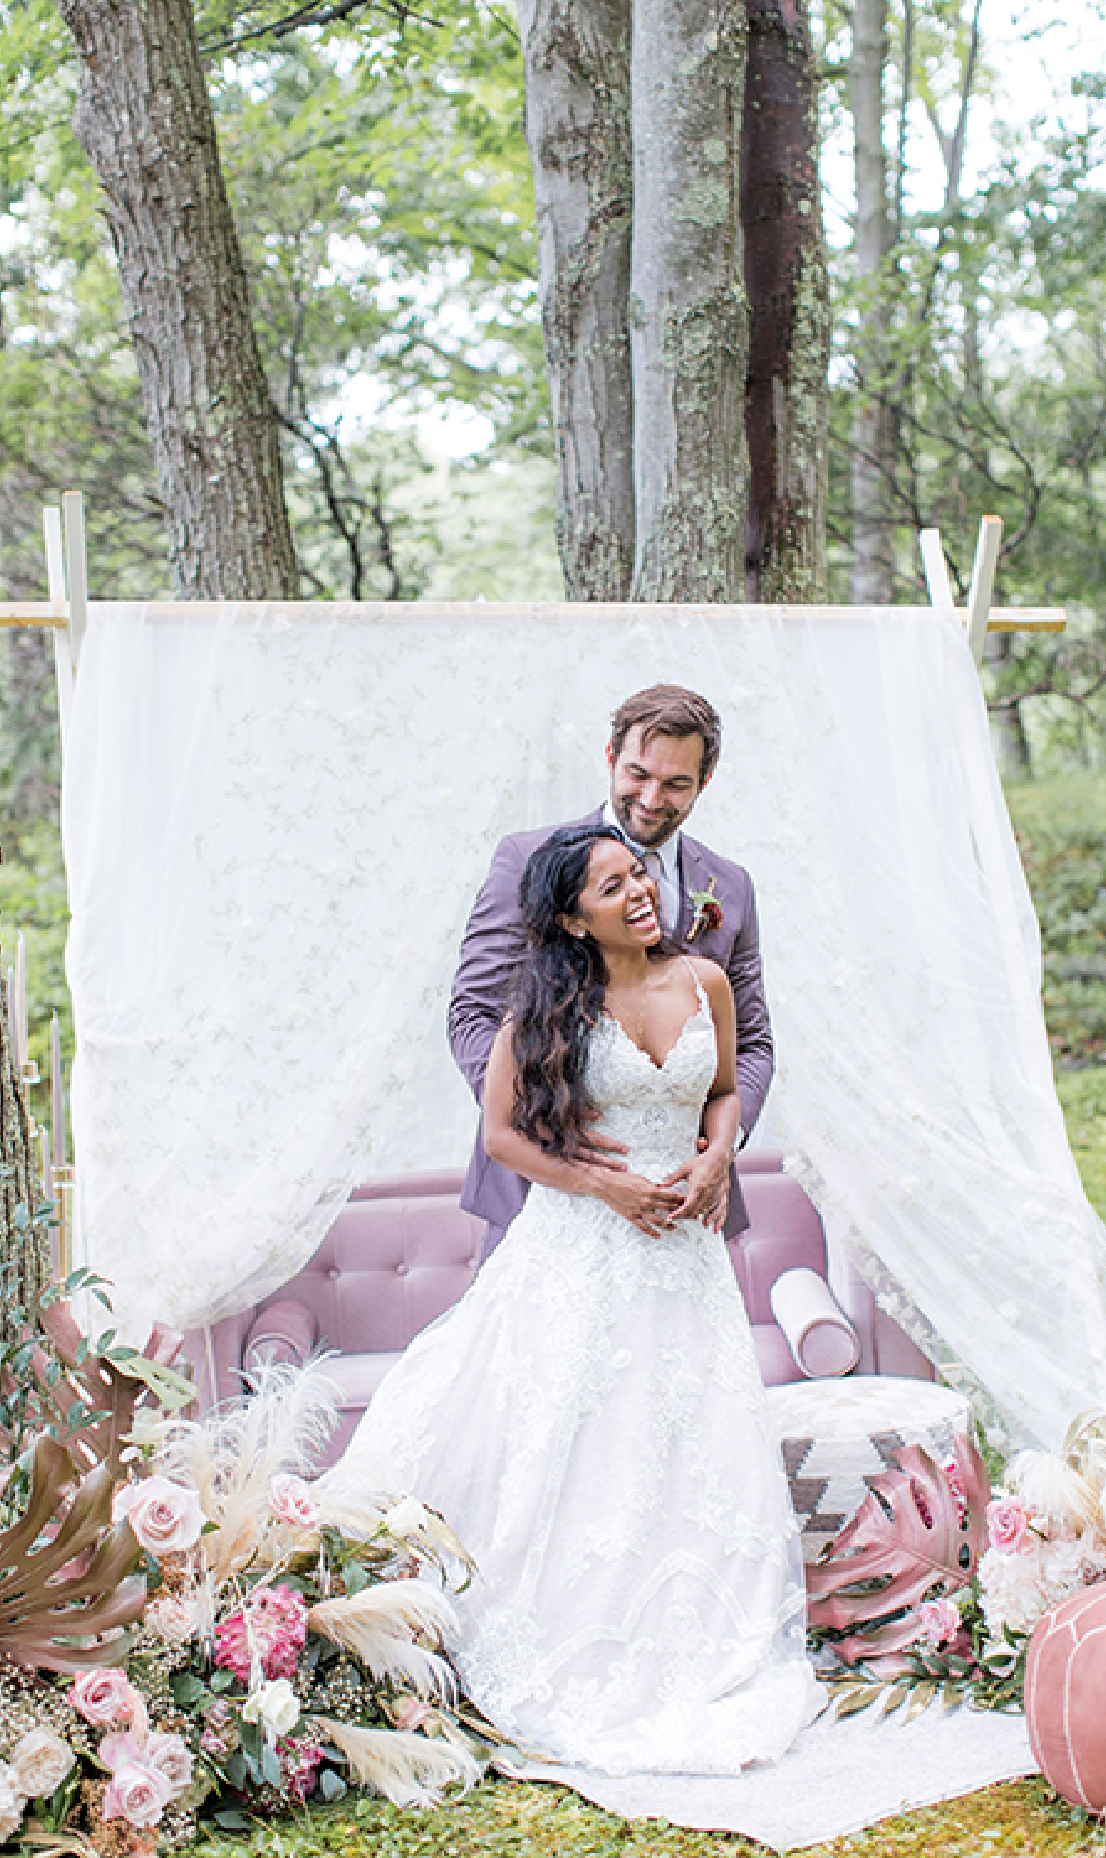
(558, 994)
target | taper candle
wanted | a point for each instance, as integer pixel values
(57, 1095)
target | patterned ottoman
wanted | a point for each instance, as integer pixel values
(836, 1434)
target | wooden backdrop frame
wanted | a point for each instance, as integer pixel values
(68, 607)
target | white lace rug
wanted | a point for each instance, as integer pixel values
(836, 1778)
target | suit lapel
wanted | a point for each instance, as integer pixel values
(691, 878)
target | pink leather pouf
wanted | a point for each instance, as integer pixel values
(1065, 1698)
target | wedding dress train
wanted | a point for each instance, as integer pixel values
(591, 1421)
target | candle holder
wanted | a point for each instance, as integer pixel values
(61, 1233)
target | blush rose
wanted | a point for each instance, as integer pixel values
(40, 1762)
(165, 1517)
(1006, 1524)
(104, 1697)
(136, 1793)
(292, 1501)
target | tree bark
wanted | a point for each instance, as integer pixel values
(24, 1266)
(688, 315)
(787, 288)
(144, 119)
(577, 56)
(871, 434)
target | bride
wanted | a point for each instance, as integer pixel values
(590, 1418)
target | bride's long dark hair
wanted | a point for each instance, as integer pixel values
(558, 994)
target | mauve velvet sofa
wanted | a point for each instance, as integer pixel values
(402, 1251)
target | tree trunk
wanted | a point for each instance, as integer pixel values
(688, 315)
(144, 119)
(871, 435)
(786, 283)
(577, 55)
(24, 1267)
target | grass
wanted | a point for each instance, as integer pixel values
(1082, 1096)
(511, 1819)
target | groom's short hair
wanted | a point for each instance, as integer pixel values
(669, 709)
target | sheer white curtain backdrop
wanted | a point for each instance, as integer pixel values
(276, 818)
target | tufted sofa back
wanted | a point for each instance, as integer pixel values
(401, 1253)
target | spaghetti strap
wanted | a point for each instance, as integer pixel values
(700, 991)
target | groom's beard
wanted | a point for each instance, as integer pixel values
(646, 832)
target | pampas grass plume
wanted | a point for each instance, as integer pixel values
(1054, 1490)
(407, 1769)
(382, 1627)
(231, 1455)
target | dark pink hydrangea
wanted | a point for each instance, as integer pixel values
(272, 1625)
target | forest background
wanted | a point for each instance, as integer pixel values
(380, 181)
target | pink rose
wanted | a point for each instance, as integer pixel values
(120, 1750)
(137, 1794)
(103, 1697)
(291, 1501)
(171, 1757)
(166, 1517)
(938, 1621)
(272, 1626)
(1006, 1524)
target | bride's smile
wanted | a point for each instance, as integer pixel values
(618, 904)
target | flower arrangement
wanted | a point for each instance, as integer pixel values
(949, 1578)
(217, 1636)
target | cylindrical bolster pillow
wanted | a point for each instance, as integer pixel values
(283, 1332)
(819, 1334)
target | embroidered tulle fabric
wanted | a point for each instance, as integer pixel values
(591, 1420)
(276, 819)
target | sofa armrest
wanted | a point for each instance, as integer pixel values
(819, 1334)
(284, 1332)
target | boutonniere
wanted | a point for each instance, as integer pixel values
(706, 911)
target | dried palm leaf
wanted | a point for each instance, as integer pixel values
(232, 1455)
(407, 1769)
(386, 1628)
(52, 1619)
(910, 1539)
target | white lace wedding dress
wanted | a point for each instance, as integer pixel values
(591, 1421)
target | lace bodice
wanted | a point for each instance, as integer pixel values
(654, 1109)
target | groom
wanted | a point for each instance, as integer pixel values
(663, 750)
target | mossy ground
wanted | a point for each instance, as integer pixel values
(508, 1819)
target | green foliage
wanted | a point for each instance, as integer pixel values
(1082, 1097)
(1061, 829)
(33, 898)
(382, 192)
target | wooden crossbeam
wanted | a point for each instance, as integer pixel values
(45, 614)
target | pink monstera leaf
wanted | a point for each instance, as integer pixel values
(913, 1538)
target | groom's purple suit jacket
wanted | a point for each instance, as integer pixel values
(494, 943)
